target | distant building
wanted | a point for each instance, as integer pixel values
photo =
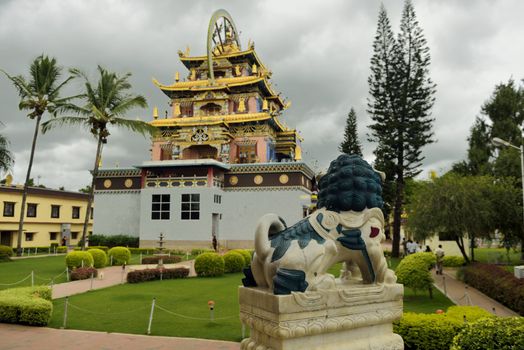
(223, 157)
(50, 215)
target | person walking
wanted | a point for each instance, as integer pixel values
(439, 254)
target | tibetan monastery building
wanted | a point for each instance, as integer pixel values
(222, 159)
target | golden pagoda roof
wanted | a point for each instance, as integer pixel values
(220, 119)
(222, 84)
(195, 61)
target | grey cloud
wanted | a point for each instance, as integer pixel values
(319, 52)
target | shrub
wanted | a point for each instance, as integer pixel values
(436, 331)
(198, 251)
(121, 255)
(453, 261)
(491, 333)
(209, 265)
(472, 313)
(101, 247)
(496, 283)
(61, 250)
(233, 262)
(83, 273)
(78, 259)
(99, 257)
(27, 305)
(246, 254)
(173, 259)
(427, 331)
(6, 251)
(413, 271)
(154, 274)
(114, 240)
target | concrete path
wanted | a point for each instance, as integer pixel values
(15, 337)
(462, 294)
(109, 276)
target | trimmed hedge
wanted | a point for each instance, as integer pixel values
(101, 247)
(83, 273)
(173, 259)
(453, 261)
(99, 257)
(6, 251)
(496, 283)
(154, 274)
(246, 254)
(78, 259)
(491, 333)
(413, 271)
(198, 251)
(209, 265)
(233, 262)
(121, 255)
(61, 250)
(27, 305)
(114, 240)
(435, 331)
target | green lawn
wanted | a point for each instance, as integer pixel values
(45, 268)
(126, 308)
(497, 255)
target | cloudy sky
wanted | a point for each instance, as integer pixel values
(319, 52)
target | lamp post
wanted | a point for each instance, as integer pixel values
(499, 142)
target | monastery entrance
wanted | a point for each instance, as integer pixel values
(200, 152)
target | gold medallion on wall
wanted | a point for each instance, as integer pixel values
(258, 179)
(107, 183)
(128, 183)
(284, 179)
(233, 180)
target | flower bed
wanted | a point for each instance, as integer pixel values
(156, 274)
(496, 283)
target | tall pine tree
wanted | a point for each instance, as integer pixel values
(351, 144)
(401, 99)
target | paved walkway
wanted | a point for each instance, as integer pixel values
(15, 337)
(109, 276)
(461, 294)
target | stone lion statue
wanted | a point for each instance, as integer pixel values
(348, 227)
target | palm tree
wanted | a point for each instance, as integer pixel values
(105, 104)
(6, 158)
(39, 93)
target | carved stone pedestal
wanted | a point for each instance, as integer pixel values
(355, 317)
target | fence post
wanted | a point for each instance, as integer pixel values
(32, 278)
(91, 288)
(243, 330)
(67, 274)
(36, 250)
(161, 274)
(111, 260)
(151, 316)
(123, 273)
(65, 313)
(140, 258)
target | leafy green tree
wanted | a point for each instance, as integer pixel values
(106, 103)
(465, 206)
(86, 189)
(39, 93)
(351, 144)
(479, 151)
(401, 99)
(6, 157)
